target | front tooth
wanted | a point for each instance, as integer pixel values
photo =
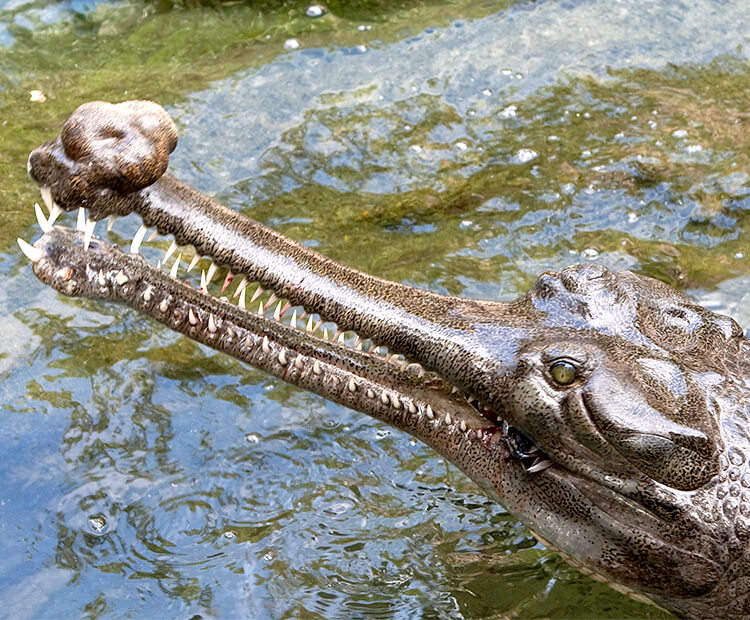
(241, 286)
(32, 253)
(47, 196)
(111, 222)
(88, 234)
(54, 213)
(138, 239)
(81, 221)
(41, 220)
(211, 271)
(175, 266)
(194, 262)
(170, 251)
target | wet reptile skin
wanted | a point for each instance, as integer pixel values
(633, 395)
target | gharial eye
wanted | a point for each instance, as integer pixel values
(563, 373)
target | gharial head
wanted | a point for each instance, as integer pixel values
(610, 409)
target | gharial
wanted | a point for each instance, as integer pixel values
(605, 410)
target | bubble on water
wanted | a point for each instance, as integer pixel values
(315, 10)
(338, 508)
(632, 217)
(526, 155)
(568, 189)
(252, 438)
(508, 112)
(382, 433)
(364, 27)
(229, 534)
(416, 148)
(465, 224)
(98, 523)
(361, 48)
(694, 148)
(739, 255)
(487, 92)
(291, 44)
(679, 133)
(589, 253)
(461, 146)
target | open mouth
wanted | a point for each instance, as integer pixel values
(235, 313)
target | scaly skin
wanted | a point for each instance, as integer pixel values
(606, 410)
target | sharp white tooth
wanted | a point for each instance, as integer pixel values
(81, 221)
(384, 398)
(194, 262)
(153, 235)
(89, 232)
(204, 284)
(54, 213)
(103, 280)
(211, 324)
(277, 312)
(170, 250)
(138, 239)
(316, 367)
(395, 402)
(309, 326)
(298, 362)
(463, 425)
(227, 281)
(325, 333)
(412, 408)
(260, 308)
(448, 419)
(111, 222)
(121, 278)
(429, 412)
(266, 348)
(192, 318)
(282, 357)
(241, 286)
(540, 466)
(41, 220)
(32, 253)
(271, 299)
(258, 292)
(242, 300)
(164, 305)
(293, 320)
(370, 393)
(352, 385)
(148, 293)
(175, 266)
(47, 196)
(211, 272)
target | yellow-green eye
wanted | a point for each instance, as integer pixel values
(564, 373)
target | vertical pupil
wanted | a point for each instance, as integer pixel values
(563, 373)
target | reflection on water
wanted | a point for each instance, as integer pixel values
(462, 147)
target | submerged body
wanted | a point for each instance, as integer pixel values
(605, 410)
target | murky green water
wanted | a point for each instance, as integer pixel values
(459, 146)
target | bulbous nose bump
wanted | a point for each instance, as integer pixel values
(577, 278)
